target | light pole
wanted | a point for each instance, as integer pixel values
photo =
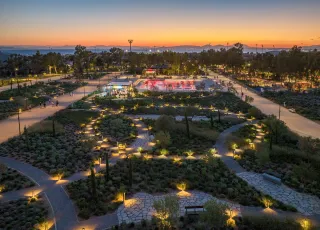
(130, 42)
(19, 111)
(84, 91)
(279, 111)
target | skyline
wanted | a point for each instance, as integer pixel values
(112, 23)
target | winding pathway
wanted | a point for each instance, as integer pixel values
(140, 205)
(304, 203)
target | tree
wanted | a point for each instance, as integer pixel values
(26, 136)
(275, 127)
(164, 123)
(215, 215)
(79, 60)
(167, 211)
(256, 113)
(308, 146)
(163, 139)
(106, 176)
(93, 183)
(211, 120)
(130, 172)
(53, 128)
(187, 124)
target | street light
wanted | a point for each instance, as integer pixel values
(19, 111)
(279, 111)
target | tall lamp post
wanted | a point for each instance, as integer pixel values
(130, 42)
(19, 111)
(279, 111)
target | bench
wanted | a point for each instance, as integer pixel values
(194, 210)
(271, 178)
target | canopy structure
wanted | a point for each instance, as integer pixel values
(118, 88)
(118, 84)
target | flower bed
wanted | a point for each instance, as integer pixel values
(11, 179)
(154, 176)
(23, 214)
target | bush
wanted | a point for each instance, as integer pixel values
(162, 175)
(270, 223)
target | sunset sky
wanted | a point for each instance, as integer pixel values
(281, 23)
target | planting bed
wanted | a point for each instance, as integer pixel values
(11, 179)
(118, 128)
(154, 176)
(65, 152)
(23, 214)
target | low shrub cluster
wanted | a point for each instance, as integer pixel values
(153, 176)
(23, 214)
(118, 128)
(219, 100)
(240, 223)
(63, 151)
(176, 139)
(11, 179)
(8, 108)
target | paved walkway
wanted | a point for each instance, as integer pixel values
(28, 118)
(140, 206)
(295, 122)
(304, 203)
(180, 118)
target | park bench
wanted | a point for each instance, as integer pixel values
(194, 210)
(271, 178)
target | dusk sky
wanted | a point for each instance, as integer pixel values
(281, 23)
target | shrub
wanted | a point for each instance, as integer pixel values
(162, 139)
(270, 223)
(215, 215)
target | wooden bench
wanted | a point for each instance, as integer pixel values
(194, 210)
(271, 178)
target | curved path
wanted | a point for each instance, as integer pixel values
(304, 203)
(295, 122)
(66, 216)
